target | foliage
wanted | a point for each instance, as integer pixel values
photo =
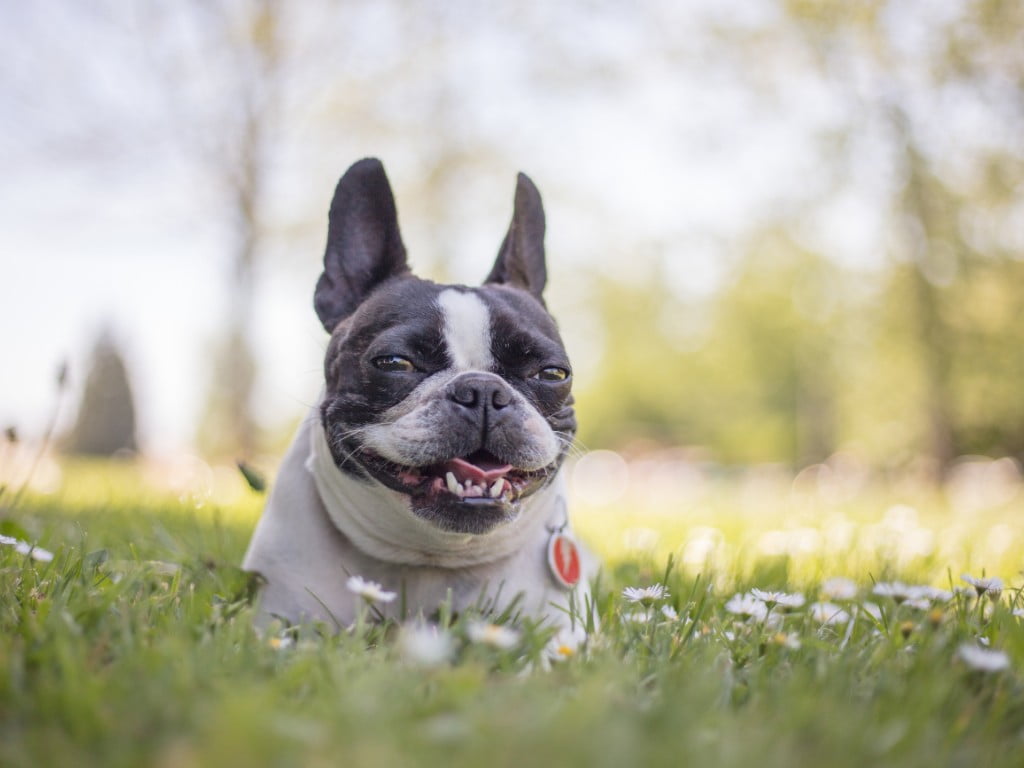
(748, 372)
(105, 425)
(876, 311)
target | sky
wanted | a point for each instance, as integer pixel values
(107, 223)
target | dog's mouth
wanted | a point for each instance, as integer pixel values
(479, 479)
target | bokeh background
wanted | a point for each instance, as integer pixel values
(786, 237)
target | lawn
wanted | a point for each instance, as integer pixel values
(133, 645)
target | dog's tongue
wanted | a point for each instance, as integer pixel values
(485, 472)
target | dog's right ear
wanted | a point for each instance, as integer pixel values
(364, 246)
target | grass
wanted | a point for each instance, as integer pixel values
(134, 647)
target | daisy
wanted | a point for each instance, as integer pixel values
(637, 617)
(918, 603)
(1019, 613)
(558, 651)
(747, 605)
(872, 610)
(279, 642)
(563, 646)
(24, 548)
(790, 640)
(828, 613)
(991, 587)
(897, 590)
(785, 599)
(645, 595)
(982, 659)
(934, 594)
(370, 591)
(669, 613)
(494, 635)
(839, 589)
(425, 645)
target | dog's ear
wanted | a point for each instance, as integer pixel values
(520, 261)
(364, 246)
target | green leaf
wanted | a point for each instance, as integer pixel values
(252, 476)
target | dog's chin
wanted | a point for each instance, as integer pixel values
(473, 516)
(473, 494)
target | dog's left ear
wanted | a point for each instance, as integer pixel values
(364, 245)
(520, 261)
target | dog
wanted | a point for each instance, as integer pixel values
(433, 462)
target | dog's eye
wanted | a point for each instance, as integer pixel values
(552, 373)
(394, 364)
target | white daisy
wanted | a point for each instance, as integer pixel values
(669, 613)
(789, 640)
(785, 599)
(280, 642)
(918, 603)
(747, 605)
(1019, 613)
(933, 594)
(839, 589)
(24, 548)
(494, 635)
(370, 591)
(897, 590)
(645, 595)
(563, 645)
(872, 610)
(828, 613)
(559, 651)
(425, 645)
(990, 587)
(982, 659)
(555, 651)
(637, 617)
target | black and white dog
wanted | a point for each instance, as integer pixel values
(432, 463)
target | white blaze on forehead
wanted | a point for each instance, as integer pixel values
(467, 330)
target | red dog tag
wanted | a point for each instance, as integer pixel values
(564, 559)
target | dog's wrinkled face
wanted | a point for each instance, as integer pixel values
(456, 398)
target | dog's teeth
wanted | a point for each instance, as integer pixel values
(497, 488)
(453, 484)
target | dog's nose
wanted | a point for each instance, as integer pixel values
(479, 391)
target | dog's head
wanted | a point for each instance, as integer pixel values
(457, 399)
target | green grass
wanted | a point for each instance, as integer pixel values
(134, 647)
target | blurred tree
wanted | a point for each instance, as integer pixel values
(747, 372)
(936, 101)
(191, 91)
(221, 66)
(105, 425)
